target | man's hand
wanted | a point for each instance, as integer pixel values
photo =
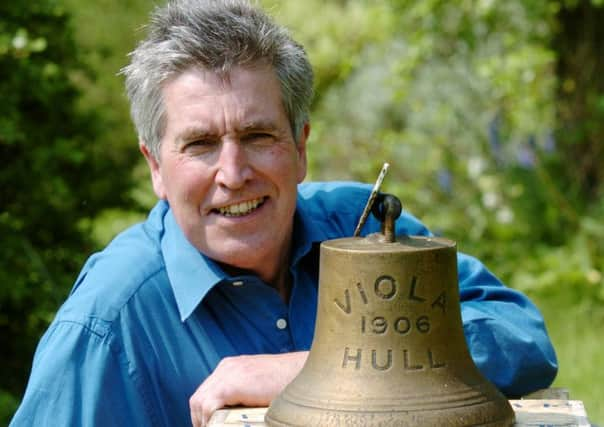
(244, 380)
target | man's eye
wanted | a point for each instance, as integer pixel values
(197, 145)
(258, 137)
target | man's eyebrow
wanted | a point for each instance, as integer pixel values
(194, 132)
(265, 125)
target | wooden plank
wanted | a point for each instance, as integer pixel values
(529, 413)
(243, 417)
(549, 412)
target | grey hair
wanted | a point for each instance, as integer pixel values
(216, 35)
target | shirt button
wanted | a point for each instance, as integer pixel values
(281, 323)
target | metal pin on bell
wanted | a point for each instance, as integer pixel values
(371, 200)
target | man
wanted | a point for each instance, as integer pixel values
(211, 301)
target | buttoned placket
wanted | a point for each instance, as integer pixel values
(280, 320)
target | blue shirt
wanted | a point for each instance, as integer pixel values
(150, 317)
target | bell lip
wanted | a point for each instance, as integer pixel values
(375, 242)
(284, 411)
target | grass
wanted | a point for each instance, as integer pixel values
(577, 333)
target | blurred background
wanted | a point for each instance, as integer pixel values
(491, 114)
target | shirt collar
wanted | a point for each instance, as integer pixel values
(308, 229)
(192, 275)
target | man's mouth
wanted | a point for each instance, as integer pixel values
(240, 209)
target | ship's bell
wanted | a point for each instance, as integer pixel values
(389, 347)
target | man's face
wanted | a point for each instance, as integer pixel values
(229, 165)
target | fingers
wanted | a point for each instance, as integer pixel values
(207, 399)
(203, 409)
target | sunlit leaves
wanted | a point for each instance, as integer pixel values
(56, 171)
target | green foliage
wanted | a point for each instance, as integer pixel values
(8, 405)
(57, 172)
(107, 30)
(577, 335)
(580, 94)
(424, 96)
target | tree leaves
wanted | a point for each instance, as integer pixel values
(55, 174)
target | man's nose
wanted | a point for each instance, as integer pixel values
(234, 168)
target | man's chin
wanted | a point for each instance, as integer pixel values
(241, 258)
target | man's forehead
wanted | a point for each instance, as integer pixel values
(254, 101)
(248, 85)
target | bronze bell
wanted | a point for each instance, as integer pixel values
(389, 348)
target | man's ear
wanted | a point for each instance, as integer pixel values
(155, 169)
(301, 147)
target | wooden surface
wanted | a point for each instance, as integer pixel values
(549, 412)
(529, 412)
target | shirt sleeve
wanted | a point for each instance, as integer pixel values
(504, 331)
(79, 378)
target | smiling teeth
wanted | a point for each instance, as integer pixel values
(240, 209)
